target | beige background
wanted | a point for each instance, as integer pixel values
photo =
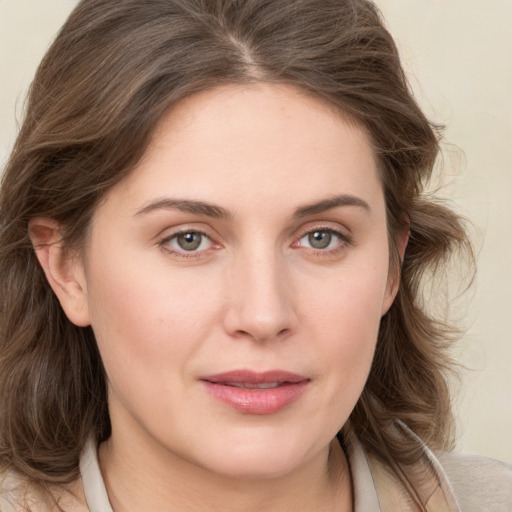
(459, 55)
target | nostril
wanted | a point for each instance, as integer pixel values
(262, 335)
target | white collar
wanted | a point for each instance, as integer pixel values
(92, 481)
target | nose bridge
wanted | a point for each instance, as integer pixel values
(260, 295)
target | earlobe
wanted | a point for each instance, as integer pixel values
(63, 269)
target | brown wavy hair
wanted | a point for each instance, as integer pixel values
(114, 69)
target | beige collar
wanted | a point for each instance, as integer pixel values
(377, 488)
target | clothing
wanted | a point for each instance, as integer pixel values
(453, 483)
(456, 483)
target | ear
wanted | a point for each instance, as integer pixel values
(62, 267)
(394, 275)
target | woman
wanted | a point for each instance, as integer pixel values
(213, 238)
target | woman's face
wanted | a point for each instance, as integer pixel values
(236, 279)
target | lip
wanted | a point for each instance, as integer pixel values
(246, 390)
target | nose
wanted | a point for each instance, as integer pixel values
(259, 299)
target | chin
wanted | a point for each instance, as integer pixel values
(258, 467)
(260, 457)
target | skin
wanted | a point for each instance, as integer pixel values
(256, 294)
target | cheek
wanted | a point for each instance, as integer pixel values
(346, 315)
(351, 302)
(146, 320)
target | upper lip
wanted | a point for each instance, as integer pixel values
(255, 377)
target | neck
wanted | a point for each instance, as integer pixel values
(150, 478)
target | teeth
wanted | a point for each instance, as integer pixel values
(268, 385)
(250, 385)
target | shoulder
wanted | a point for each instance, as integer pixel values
(479, 483)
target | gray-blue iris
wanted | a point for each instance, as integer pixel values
(189, 241)
(320, 239)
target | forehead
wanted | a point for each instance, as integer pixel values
(254, 143)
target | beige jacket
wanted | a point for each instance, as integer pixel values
(450, 483)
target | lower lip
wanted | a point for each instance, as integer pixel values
(257, 401)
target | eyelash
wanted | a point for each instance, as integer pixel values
(164, 244)
(344, 240)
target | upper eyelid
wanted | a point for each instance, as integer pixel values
(182, 231)
(171, 232)
(322, 228)
(344, 233)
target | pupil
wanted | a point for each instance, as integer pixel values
(320, 239)
(189, 241)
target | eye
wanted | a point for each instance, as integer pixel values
(187, 241)
(322, 238)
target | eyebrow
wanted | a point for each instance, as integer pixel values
(330, 203)
(188, 206)
(218, 212)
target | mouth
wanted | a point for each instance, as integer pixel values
(250, 385)
(256, 392)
